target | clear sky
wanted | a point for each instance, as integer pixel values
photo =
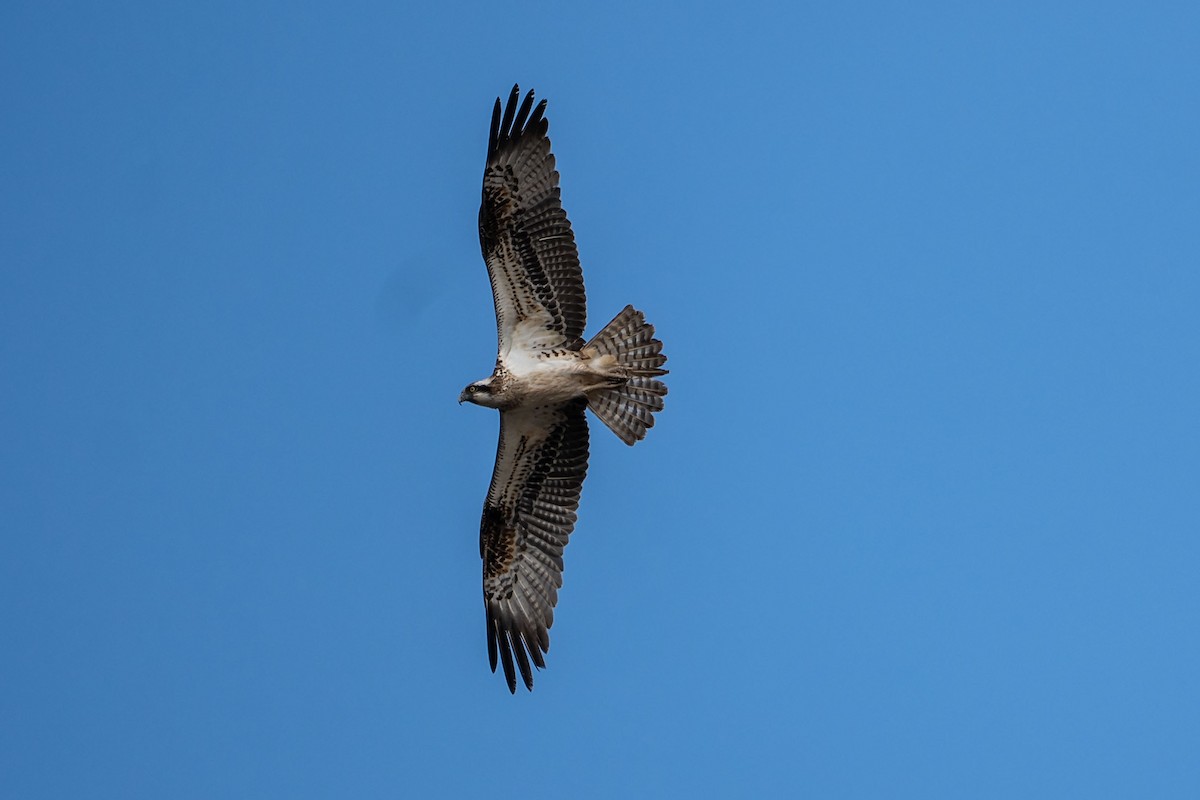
(920, 518)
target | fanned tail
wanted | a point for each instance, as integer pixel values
(628, 408)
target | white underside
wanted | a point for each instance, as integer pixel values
(543, 370)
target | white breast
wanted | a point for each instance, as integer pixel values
(542, 366)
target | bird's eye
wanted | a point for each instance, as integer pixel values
(472, 389)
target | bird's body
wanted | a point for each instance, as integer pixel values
(545, 377)
(536, 374)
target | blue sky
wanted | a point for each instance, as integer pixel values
(920, 518)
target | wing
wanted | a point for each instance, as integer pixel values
(525, 235)
(528, 516)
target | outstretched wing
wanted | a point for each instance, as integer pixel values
(525, 235)
(528, 516)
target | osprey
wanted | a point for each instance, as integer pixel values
(545, 376)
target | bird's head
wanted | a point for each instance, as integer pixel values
(481, 393)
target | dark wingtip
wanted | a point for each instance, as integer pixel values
(515, 651)
(522, 115)
(506, 659)
(509, 111)
(523, 663)
(492, 654)
(535, 653)
(510, 120)
(494, 134)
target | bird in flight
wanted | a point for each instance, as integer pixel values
(546, 375)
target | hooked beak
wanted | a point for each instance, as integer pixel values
(462, 397)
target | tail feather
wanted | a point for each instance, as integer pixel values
(628, 409)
